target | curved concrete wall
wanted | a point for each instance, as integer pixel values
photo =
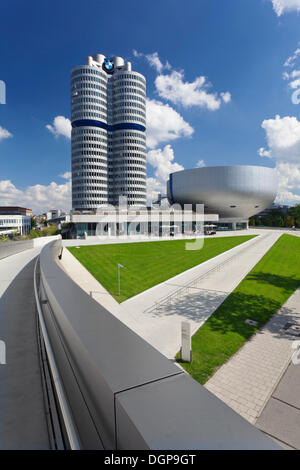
(12, 248)
(122, 392)
(230, 191)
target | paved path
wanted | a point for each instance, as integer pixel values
(22, 413)
(248, 379)
(280, 418)
(105, 240)
(162, 328)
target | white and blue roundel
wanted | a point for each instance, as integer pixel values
(108, 65)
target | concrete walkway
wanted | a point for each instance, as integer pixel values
(162, 327)
(105, 240)
(23, 422)
(247, 380)
(280, 418)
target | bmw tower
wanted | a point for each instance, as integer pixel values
(108, 114)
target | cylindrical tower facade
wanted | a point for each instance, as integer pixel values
(108, 114)
(127, 165)
(89, 137)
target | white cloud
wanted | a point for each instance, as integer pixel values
(162, 161)
(153, 60)
(39, 198)
(290, 61)
(285, 6)
(289, 175)
(283, 139)
(287, 197)
(285, 75)
(295, 73)
(154, 187)
(288, 183)
(200, 164)
(164, 124)
(295, 83)
(4, 133)
(172, 87)
(226, 97)
(283, 145)
(61, 126)
(293, 76)
(262, 152)
(67, 175)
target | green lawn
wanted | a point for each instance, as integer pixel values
(146, 263)
(263, 291)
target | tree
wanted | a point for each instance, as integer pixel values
(295, 213)
(267, 220)
(34, 233)
(289, 221)
(277, 221)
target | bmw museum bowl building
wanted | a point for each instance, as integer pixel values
(235, 193)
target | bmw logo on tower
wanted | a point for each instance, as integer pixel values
(108, 65)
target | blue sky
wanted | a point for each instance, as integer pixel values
(239, 46)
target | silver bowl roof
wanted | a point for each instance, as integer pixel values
(230, 191)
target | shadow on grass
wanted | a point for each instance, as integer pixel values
(283, 282)
(232, 313)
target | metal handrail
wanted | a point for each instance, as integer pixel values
(165, 300)
(64, 407)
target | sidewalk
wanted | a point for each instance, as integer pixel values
(23, 422)
(162, 327)
(105, 240)
(280, 418)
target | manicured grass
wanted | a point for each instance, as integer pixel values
(263, 291)
(147, 263)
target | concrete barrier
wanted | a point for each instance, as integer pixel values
(123, 393)
(42, 241)
(13, 247)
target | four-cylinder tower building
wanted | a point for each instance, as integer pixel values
(108, 114)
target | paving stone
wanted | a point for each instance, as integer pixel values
(251, 375)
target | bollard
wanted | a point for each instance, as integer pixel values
(186, 344)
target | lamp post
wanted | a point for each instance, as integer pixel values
(119, 266)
